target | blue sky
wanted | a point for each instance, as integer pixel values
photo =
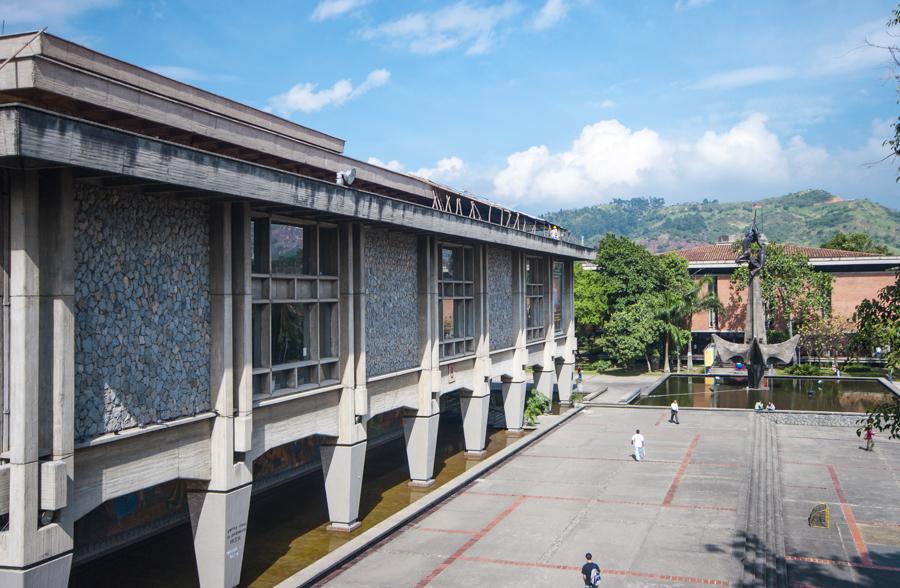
(544, 104)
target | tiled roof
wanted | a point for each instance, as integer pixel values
(724, 252)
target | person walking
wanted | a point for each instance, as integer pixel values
(870, 439)
(637, 440)
(590, 572)
(673, 417)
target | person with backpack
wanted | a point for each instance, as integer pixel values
(590, 572)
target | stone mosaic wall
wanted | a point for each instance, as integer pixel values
(391, 302)
(141, 310)
(500, 298)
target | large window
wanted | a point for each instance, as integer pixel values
(456, 294)
(295, 297)
(557, 294)
(534, 298)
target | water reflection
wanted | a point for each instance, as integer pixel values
(785, 393)
(286, 528)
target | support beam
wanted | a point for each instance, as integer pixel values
(475, 404)
(514, 404)
(343, 468)
(219, 523)
(475, 417)
(565, 372)
(420, 433)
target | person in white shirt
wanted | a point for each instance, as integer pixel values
(673, 418)
(638, 441)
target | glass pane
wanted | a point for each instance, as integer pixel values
(259, 229)
(258, 339)
(557, 295)
(290, 333)
(287, 249)
(327, 331)
(328, 252)
(459, 315)
(283, 379)
(261, 384)
(306, 375)
(449, 263)
(447, 318)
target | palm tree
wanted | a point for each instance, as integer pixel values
(676, 309)
(671, 312)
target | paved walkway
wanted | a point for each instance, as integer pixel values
(616, 387)
(680, 517)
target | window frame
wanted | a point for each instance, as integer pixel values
(312, 291)
(460, 293)
(535, 293)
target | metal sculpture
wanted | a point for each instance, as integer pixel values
(755, 352)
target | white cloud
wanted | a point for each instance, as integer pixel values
(688, 4)
(461, 24)
(187, 74)
(746, 76)
(747, 160)
(606, 104)
(446, 171)
(305, 98)
(42, 11)
(855, 51)
(551, 13)
(327, 9)
(605, 155)
(392, 165)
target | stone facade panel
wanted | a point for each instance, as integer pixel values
(142, 310)
(500, 298)
(392, 341)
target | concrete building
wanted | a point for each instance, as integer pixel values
(186, 286)
(857, 276)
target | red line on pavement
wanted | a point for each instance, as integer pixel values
(660, 419)
(452, 531)
(472, 541)
(606, 571)
(851, 520)
(879, 524)
(837, 562)
(605, 501)
(680, 473)
(843, 465)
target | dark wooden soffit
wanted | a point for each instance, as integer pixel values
(33, 133)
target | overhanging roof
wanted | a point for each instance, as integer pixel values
(28, 132)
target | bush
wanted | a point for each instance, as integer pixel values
(805, 369)
(535, 405)
(600, 365)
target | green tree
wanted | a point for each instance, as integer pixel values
(632, 331)
(854, 242)
(590, 307)
(701, 298)
(791, 289)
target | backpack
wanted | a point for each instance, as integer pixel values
(595, 576)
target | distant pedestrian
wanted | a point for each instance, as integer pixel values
(590, 572)
(878, 352)
(770, 407)
(870, 439)
(758, 407)
(673, 416)
(638, 441)
(578, 373)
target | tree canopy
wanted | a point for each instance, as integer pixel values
(791, 289)
(854, 242)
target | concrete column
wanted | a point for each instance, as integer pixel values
(36, 551)
(242, 327)
(420, 427)
(545, 373)
(544, 380)
(475, 404)
(343, 467)
(514, 404)
(343, 461)
(219, 511)
(566, 372)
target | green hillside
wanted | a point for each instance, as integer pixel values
(809, 217)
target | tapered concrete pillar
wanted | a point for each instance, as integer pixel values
(475, 416)
(514, 404)
(544, 380)
(52, 573)
(219, 522)
(421, 433)
(343, 468)
(565, 374)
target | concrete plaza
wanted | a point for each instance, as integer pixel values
(721, 499)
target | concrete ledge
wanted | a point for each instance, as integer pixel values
(324, 566)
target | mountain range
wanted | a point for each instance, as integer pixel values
(809, 217)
